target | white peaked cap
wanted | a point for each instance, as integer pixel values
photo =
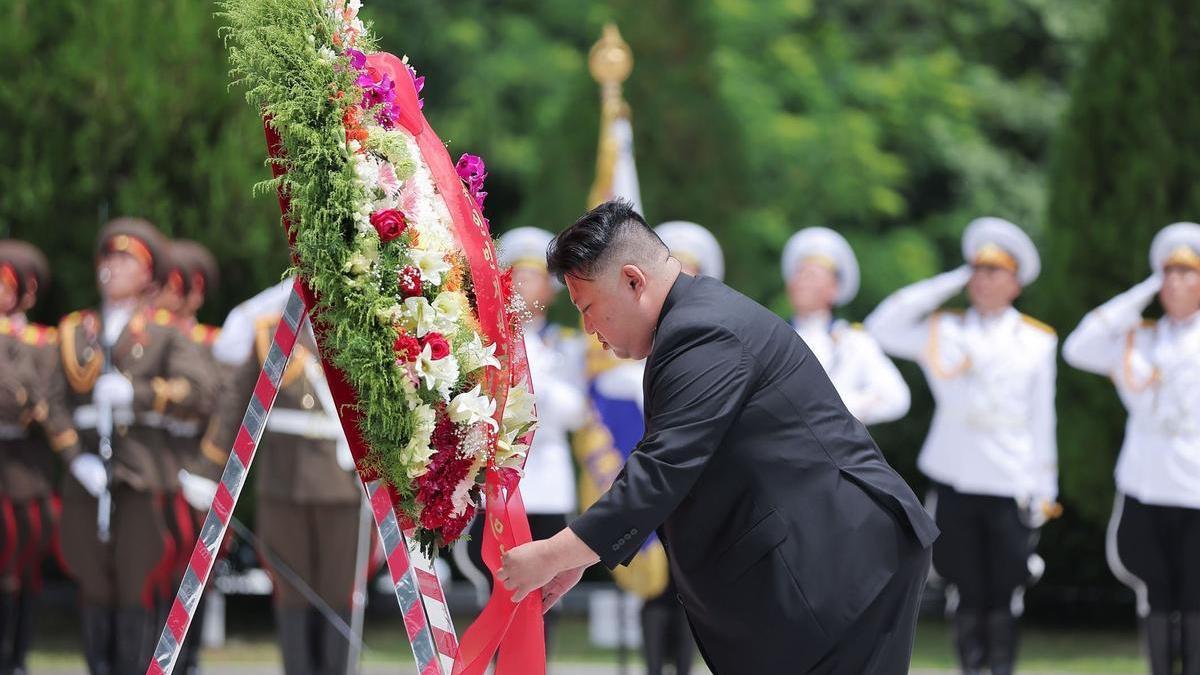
(1170, 239)
(824, 243)
(524, 245)
(690, 241)
(998, 232)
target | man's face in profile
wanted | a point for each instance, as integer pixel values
(612, 306)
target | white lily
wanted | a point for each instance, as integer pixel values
(518, 413)
(471, 407)
(474, 355)
(432, 265)
(439, 375)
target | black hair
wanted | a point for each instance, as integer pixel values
(583, 248)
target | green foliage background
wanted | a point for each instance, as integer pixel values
(894, 122)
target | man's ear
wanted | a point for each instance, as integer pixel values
(633, 278)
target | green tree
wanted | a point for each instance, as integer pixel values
(112, 107)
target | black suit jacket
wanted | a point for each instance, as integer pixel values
(780, 516)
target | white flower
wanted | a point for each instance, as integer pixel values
(439, 375)
(449, 306)
(367, 170)
(518, 414)
(471, 407)
(510, 455)
(473, 355)
(460, 499)
(423, 318)
(432, 265)
(326, 53)
(419, 449)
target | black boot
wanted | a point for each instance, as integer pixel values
(135, 640)
(1156, 632)
(22, 635)
(295, 641)
(8, 629)
(335, 648)
(1191, 643)
(98, 626)
(1002, 642)
(971, 641)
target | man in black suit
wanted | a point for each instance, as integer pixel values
(795, 547)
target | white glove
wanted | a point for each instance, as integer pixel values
(113, 390)
(89, 471)
(198, 491)
(345, 459)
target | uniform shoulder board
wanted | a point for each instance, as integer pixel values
(857, 325)
(163, 317)
(568, 331)
(1044, 327)
(205, 334)
(38, 335)
(5, 325)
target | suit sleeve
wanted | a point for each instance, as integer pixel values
(697, 389)
(901, 322)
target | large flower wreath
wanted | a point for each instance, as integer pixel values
(376, 241)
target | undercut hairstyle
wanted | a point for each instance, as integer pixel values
(612, 233)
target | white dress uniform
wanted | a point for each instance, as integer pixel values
(991, 448)
(867, 380)
(555, 368)
(1154, 534)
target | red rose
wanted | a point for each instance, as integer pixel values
(407, 347)
(438, 347)
(409, 279)
(389, 223)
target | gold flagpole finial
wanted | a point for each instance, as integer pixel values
(610, 60)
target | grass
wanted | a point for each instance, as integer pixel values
(1059, 650)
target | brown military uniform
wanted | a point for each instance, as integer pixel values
(308, 506)
(27, 465)
(20, 393)
(169, 377)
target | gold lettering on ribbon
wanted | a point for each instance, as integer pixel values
(497, 526)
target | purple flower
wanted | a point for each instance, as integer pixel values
(357, 58)
(379, 90)
(418, 84)
(472, 171)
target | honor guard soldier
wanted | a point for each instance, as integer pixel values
(821, 273)
(194, 275)
(991, 451)
(1154, 535)
(27, 464)
(123, 367)
(308, 492)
